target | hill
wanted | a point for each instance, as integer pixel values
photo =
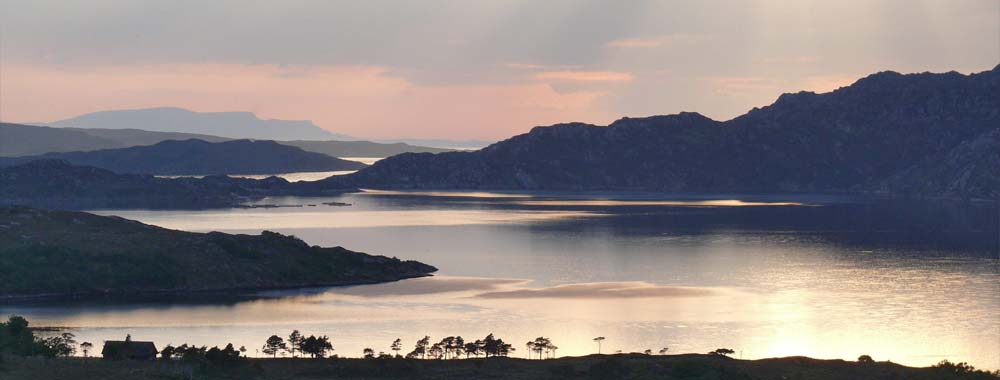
(240, 125)
(29, 140)
(197, 157)
(64, 252)
(881, 133)
(58, 184)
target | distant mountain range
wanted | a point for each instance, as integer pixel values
(197, 157)
(234, 125)
(57, 184)
(28, 140)
(927, 134)
(239, 125)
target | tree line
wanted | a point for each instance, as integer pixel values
(17, 339)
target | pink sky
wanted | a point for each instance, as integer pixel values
(357, 100)
(467, 69)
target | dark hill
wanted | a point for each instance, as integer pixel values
(58, 184)
(879, 134)
(197, 157)
(64, 252)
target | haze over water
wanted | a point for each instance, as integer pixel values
(820, 276)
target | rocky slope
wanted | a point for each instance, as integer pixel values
(879, 134)
(74, 253)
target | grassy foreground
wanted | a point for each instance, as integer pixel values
(633, 366)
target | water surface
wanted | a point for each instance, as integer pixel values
(822, 276)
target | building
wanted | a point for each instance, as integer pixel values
(129, 350)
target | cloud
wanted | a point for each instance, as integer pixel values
(631, 289)
(651, 42)
(584, 76)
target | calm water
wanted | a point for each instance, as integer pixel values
(297, 176)
(828, 277)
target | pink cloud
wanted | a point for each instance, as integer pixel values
(366, 101)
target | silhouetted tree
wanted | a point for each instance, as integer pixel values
(457, 346)
(648, 352)
(491, 345)
(295, 342)
(436, 351)
(61, 345)
(397, 345)
(541, 345)
(865, 359)
(663, 351)
(368, 353)
(473, 348)
(225, 356)
(599, 340)
(420, 349)
(723, 352)
(243, 350)
(317, 347)
(86, 347)
(274, 345)
(167, 352)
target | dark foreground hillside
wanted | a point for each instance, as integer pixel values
(63, 253)
(606, 367)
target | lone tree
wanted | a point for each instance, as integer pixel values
(274, 345)
(599, 340)
(865, 359)
(86, 347)
(397, 345)
(723, 352)
(317, 347)
(368, 353)
(663, 351)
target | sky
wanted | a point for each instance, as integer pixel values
(467, 69)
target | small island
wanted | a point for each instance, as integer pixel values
(47, 253)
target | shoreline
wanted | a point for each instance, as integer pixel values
(20, 299)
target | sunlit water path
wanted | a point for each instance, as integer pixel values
(826, 277)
